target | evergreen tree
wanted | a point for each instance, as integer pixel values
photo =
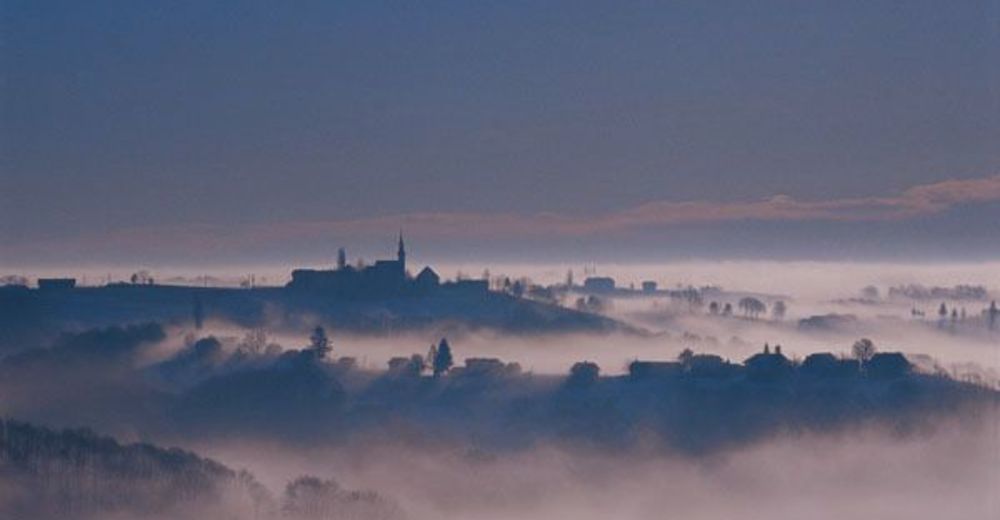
(319, 343)
(199, 313)
(442, 359)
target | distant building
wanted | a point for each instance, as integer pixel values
(710, 366)
(599, 284)
(649, 286)
(767, 366)
(467, 286)
(888, 365)
(56, 284)
(406, 366)
(487, 367)
(383, 279)
(583, 373)
(640, 370)
(427, 279)
(825, 364)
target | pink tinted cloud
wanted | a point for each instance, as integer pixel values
(928, 199)
(922, 200)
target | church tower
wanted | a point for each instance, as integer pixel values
(401, 253)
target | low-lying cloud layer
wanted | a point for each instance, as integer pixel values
(453, 228)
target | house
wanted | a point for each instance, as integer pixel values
(487, 367)
(406, 366)
(710, 366)
(639, 370)
(583, 373)
(599, 284)
(888, 365)
(825, 364)
(56, 284)
(648, 286)
(768, 366)
(427, 279)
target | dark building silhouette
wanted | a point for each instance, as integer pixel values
(383, 279)
(584, 373)
(888, 365)
(639, 370)
(427, 279)
(766, 366)
(56, 284)
(599, 284)
(825, 364)
(710, 366)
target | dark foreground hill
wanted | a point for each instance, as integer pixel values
(699, 403)
(48, 474)
(29, 315)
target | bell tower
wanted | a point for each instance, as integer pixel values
(401, 253)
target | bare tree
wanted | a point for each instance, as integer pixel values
(778, 310)
(13, 279)
(863, 350)
(752, 307)
(319, 343)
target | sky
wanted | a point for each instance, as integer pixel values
(214, 132)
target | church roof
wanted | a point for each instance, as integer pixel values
(427, 272)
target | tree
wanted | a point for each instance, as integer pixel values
(141, 278)
(520, 286)
(319, 343)
(993, 314)
(752, 307)
(431, 355)
(442, 358)
(778, 310)
(713, 308)
(728, 309)
(254, 342)
(685, 356)
(199, 313)
(14, 279)
(870, 293)
(693, 298)
(863, 350)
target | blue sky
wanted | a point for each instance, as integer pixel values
(155, 120)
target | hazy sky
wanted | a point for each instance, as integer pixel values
(130, 127)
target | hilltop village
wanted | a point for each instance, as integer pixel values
(382, 297)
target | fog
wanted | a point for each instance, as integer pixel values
(531, 444)
(867, 472)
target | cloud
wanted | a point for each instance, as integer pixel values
(917, 201)
(928, 199)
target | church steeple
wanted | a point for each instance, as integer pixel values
(401, 252)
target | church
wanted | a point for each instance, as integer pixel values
(384, 278)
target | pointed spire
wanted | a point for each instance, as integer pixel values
(401, 252)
